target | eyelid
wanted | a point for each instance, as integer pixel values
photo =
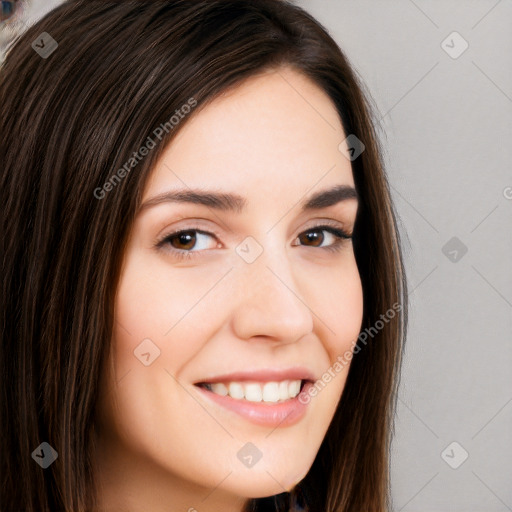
(191, 226)
(318, 223)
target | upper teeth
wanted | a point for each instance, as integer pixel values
(256, 392)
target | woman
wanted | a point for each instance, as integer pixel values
(204, 298)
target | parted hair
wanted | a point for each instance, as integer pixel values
(70, 119)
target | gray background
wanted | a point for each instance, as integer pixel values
(446, 126)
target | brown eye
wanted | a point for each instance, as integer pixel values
(183, 240)
(315, 237)
(188, 242)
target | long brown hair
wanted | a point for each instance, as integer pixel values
(73, 116)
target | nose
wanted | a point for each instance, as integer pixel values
(269, 301)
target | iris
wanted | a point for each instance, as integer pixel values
(7, 11)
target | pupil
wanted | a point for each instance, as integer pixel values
(313, 236)
(186, 238)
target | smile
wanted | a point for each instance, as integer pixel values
(255, 391)
(268, 397)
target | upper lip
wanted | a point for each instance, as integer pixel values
(263, 375)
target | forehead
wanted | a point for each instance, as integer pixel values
(276, 133)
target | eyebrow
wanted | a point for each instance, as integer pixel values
(230, 202)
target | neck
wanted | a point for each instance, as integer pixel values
(128, 481)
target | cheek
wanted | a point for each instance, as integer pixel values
(156, 334)
(339, 304)
(153, 303)
(341, 307)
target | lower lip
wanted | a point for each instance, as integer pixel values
(268, 414)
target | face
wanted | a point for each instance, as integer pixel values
(255, 297)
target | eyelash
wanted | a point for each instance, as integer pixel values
(340, 234)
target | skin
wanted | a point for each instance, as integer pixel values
(161, 446)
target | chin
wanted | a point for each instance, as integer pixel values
(264, 483)
(260, 488)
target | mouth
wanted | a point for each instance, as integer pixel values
(268, 392)
(265, 398)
